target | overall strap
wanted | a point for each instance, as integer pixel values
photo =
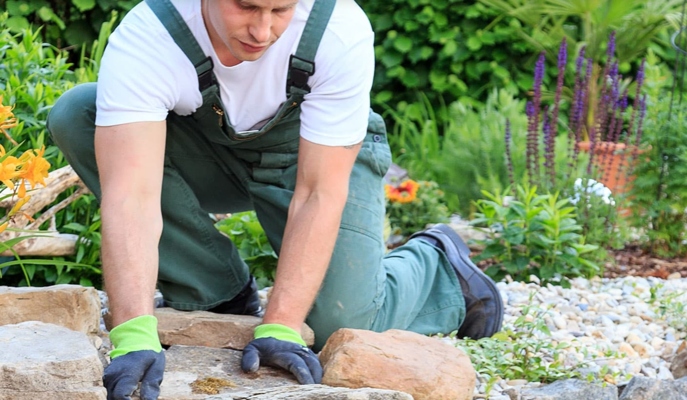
(177, 28)
(302, 64)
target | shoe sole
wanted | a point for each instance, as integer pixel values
(464, 254)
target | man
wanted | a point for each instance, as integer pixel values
(208, 106)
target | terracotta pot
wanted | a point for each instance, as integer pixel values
(611, 161)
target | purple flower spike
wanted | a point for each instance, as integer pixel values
(611, 46)
(529, 109)
(539, 72)
(563, 55)
(640, 73)
(613, 73)
(509, 158)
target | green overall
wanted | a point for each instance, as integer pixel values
(211, 168)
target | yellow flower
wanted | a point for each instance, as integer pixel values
(34, 168)
(4, 226)
(7, 120)
(403, 193)
(8, 170)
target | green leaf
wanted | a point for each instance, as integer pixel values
(19, 8)
(474, 43)
(84, 5)
(17, 24)
(403, 44)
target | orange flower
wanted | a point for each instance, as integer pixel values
(403, 193)
(34, 167)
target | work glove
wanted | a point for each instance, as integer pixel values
(137, 357)
(280, 346)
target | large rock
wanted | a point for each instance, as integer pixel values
(202, 328)
(45, 361)
(72, 306)
(571, 389)
(202, 373)
(398, 360)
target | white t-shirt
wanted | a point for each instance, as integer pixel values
(144, 74)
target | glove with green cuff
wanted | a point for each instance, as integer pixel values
(137, 357)
(280, 346)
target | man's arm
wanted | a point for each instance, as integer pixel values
(130, 161)
(311, 230)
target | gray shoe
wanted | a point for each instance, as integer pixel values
(483, 304)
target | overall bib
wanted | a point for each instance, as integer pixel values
(212, 168)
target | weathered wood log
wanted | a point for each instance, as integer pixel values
(48, 242)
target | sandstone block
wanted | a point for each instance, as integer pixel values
(202, 328)
(72, 306)
(399, 360)
(41, 361)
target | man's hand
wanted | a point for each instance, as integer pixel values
(137, 357)
(124, 373)
(280, 346)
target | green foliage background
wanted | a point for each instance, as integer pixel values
(447, 48)
(67, 23)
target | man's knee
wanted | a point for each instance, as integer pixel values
(73, 113)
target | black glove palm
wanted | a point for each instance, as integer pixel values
(124, 373)
(293, 357)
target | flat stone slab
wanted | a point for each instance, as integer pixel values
(206, 373)
(46, 361)
(189, 369)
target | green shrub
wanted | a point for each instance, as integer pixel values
(250, 239)
(447, 48)
(33, 76)
(66, 23)
(464, 154)
(411, 206)
(658, 196)
(533, 234)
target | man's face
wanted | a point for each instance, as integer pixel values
(242, 30)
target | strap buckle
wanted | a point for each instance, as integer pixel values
(300, 70)
(206, 76)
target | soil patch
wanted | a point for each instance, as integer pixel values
(633, 261)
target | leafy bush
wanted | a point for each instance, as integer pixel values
(411, 206)
(66, 23)
(33, 76)
(533, 234)
(19, 176)
(250, 239)
(448, 48)
(638, 24)
(659, 192)
(464, 154)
